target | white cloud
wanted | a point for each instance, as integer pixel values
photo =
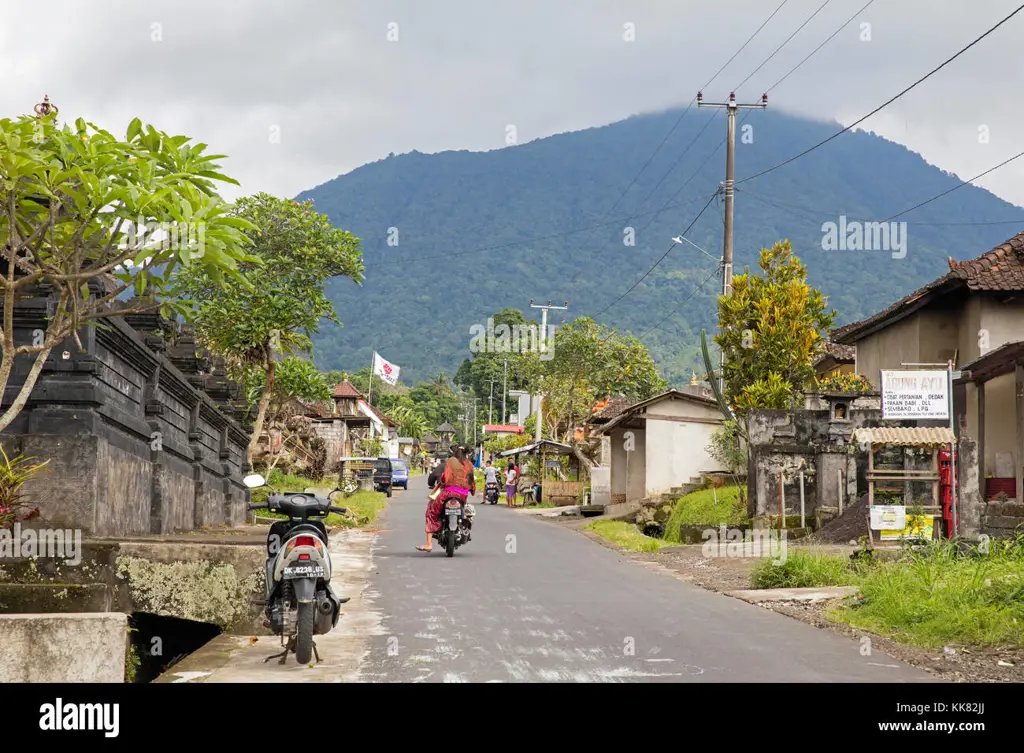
(343, 95)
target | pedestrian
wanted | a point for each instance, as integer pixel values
(511, 478)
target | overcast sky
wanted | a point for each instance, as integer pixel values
(300, 91)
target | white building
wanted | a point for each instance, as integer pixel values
(660, 444)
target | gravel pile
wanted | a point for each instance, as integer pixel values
(849, 526)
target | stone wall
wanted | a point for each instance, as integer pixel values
(786, 443)
(135, 445)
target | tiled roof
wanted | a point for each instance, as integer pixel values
(381, 416)
(1000, 269)
(838, 353)
(347, 389)
(905, 435)
(610, 408)
(514, 428)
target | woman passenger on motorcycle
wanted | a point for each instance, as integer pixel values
(457, 481)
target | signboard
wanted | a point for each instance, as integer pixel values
(915, 395)
(888, 517)
(917, 527)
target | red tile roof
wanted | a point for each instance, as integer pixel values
(347, 389)
(610, 408)
(381, 416)
(1001, 269)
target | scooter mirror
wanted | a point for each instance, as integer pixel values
(254, 480)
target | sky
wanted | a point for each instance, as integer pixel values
(301, 91)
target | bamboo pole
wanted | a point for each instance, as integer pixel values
(803, 521)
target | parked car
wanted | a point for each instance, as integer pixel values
(382, 475)
(399, 473)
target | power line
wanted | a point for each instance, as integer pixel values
(954, 188)
(679, 305)
(884, 104)
(534, 239)
(793, 208)
(815, 50)
(777, 49)
(648, 272)
(747, 114)
(675, 126)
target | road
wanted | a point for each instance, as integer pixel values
(530, 601)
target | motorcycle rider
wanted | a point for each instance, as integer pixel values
(455, 479)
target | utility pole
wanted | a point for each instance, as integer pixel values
(504, 394)
(543, 349)
(730, 177)
(490, 403)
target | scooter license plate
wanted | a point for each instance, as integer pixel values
(303, 571)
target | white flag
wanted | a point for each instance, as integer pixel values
(385, 370)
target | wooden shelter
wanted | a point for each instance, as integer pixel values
(553, 490)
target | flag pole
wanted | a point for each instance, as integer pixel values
(373, 364)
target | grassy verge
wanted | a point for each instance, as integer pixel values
(804, 569)
(626, 535)
(705, 507)
(927, 597)
(363, 506)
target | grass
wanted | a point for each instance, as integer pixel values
(363, 506)
(626, 535)
(936, 596)
(803, 569)
(705, 507)
(930, 596)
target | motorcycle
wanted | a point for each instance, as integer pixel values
(491, 493)
(300, 602)
(456, 525)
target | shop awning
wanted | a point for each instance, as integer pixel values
(906, 436)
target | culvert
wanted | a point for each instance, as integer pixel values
(158, 643)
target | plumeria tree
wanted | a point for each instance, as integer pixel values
(279, 302)
(87, 217)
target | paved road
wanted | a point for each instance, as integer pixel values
(529, 601)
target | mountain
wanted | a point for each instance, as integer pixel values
(451, 238)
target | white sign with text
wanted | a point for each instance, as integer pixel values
(888, 517)
(915, 395)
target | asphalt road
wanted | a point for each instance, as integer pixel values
(530, 601)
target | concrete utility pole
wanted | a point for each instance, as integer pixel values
(490, 403)
(504, 393)
(543, 349)
(730, 178)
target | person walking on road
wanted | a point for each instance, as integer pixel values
(511, 478)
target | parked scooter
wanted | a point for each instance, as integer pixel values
(491, 493)
(299, 600)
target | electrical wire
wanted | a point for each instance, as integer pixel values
(884, 104)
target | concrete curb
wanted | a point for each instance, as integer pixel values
(793, 594)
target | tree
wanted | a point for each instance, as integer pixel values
(283, 303)
(589, 362)
(294, 379)
(80, 216)
(771, 328)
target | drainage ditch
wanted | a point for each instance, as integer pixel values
(157, 643)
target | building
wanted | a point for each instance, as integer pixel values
(524, 407)
(501, 430)
(837, 359)
(660, 444)
(973, 316)
(352, 422)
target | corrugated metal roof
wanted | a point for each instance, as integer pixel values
(905, 435)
